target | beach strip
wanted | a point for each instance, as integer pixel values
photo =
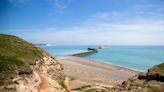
(89, 72)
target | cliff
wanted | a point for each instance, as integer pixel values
(25, 67)
(152, 81)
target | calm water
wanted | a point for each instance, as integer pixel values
(136, 57)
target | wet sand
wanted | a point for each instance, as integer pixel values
(88, 72)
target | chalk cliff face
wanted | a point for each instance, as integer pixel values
(46, 77)
(27, 68)
(152, 81)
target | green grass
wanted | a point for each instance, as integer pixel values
(88, 88)
(95, 90)
(72, 78)
(160, 68)
(15, 56)
(83, 87)
(61, 82)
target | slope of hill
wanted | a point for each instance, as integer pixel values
(152, 81)
(25, 67)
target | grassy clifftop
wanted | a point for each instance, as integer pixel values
(15, 57)
(159, 69)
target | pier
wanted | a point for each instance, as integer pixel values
(89, 52)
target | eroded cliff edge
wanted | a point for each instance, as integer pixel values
(25, 67)
(152, 81)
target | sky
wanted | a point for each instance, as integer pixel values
(84, 22)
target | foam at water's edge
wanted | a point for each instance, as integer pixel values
(119, 66)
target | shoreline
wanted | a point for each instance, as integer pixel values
(90, 72)
(86, 53)
(105, 62)
(128, 68)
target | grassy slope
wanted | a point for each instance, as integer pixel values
(15, 56)
(159, 69)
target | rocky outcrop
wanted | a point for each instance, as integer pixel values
(27, 68)
(47, 76)
(152, 81)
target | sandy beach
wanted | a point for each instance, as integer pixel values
(88, 72)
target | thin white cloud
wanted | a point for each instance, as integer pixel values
(62, 4)
(60, 7)
(50, 29)
(147, 33)
(148, 6)
(116, 28)
(108, 15)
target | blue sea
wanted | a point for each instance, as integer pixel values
(134, 57)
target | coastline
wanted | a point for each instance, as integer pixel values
(90, 72)
(87, 53)
(82, 54)
(128, 68)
